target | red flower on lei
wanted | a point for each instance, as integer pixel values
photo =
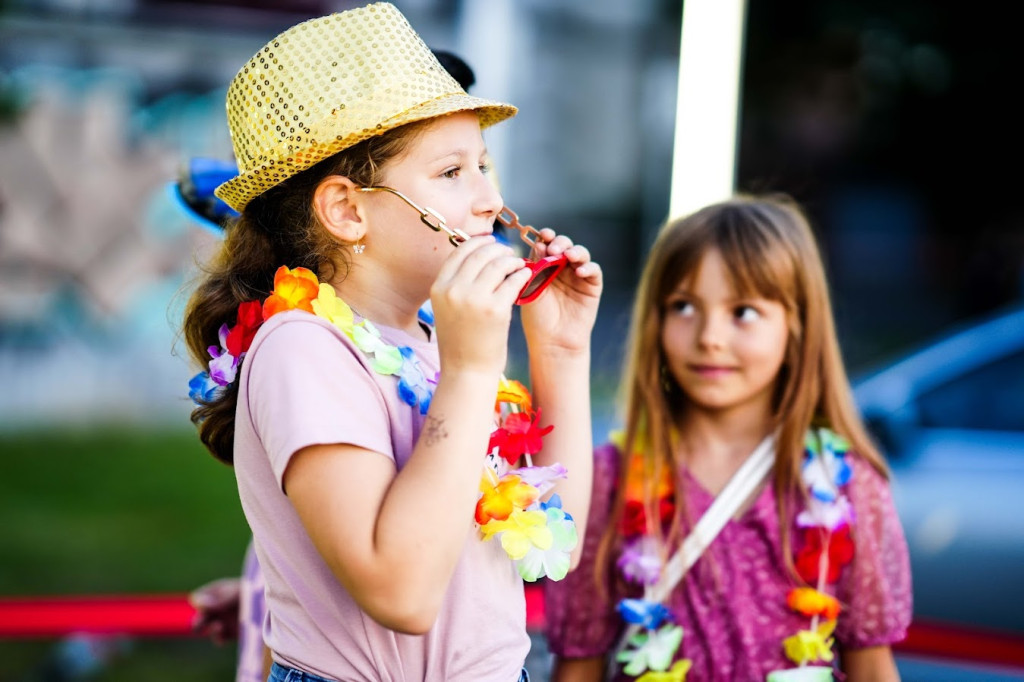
(634, 516)
(520, 434)
(840, 553)
(250, 317)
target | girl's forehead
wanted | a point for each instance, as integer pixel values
(716, 269)
(459, 131)
(440, 140)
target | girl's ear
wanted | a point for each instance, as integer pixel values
(337, 205)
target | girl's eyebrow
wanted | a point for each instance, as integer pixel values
(454, 155)
(461, 153)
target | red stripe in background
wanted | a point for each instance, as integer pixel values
(170, 615)
(146, 615)
(963, 643)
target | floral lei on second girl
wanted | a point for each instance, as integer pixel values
(825, 547)
(538, 536)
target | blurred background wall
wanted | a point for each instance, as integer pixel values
(889, 120)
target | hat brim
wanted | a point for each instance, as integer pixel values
(240, 190)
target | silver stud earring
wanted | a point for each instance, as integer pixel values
(358, 247)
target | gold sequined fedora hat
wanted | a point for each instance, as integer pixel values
(328, 83)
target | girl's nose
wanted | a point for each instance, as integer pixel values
(712, 331)
(487, 198)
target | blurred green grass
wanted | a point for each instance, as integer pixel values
(113, 510)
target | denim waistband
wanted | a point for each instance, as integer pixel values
(280, 673)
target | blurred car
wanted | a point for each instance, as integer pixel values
(950, 418)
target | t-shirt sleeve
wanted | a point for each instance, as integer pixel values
(580, 621)
(875, 588)
(308, 386)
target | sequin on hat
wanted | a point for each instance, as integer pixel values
(329, 83)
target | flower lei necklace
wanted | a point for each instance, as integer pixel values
(538, 536)
(825, 547)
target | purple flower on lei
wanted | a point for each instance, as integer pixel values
(831, 515)
(640, 561)
(542, 478)
(224, 365)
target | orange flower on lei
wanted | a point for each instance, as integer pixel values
(293, 290)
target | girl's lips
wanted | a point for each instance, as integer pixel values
(711, 371)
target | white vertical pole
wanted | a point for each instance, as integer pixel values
(707, 103)
(493, 57)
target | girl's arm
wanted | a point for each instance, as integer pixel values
(577, 669)
(561, 388)
(558, 326)
(393, 539)
(871, 664)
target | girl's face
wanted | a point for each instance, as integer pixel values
(444, 168)
(724, 350)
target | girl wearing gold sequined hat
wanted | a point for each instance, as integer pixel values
(399, 487)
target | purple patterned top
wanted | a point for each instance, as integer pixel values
(732, 604)
(251, 609)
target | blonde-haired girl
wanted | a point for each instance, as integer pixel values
(734, 364)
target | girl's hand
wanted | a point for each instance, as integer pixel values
(562, 318)
(472, 299)
(216, 604)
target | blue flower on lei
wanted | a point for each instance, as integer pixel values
(202, 388)
(825, 467)
(648, 614)
(413, 387)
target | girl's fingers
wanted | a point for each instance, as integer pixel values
(557, 245)
(590, 271)
(491, 262)
(547, 234)
(454, 263)
(497, 271)
(512, 284)
(578, 254)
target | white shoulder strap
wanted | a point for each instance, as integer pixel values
(736, 491)
(739, 488)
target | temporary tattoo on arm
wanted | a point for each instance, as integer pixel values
(434, 431)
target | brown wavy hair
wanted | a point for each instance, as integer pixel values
(770, 251)
(277, 228)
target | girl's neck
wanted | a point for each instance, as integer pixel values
(382, 305)
(723, 438)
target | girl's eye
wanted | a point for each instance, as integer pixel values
(746, 313)
(451, 173)
(681, 307)
(485, 168)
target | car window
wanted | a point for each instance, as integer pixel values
(989, 397)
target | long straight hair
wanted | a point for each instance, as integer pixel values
(770, 251)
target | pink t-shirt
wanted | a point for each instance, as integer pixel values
(304, 383)
(732, 604)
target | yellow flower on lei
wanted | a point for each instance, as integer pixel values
(809, 646)
(513, 392)
(522, 530)
(677, 673)
(328, 306)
